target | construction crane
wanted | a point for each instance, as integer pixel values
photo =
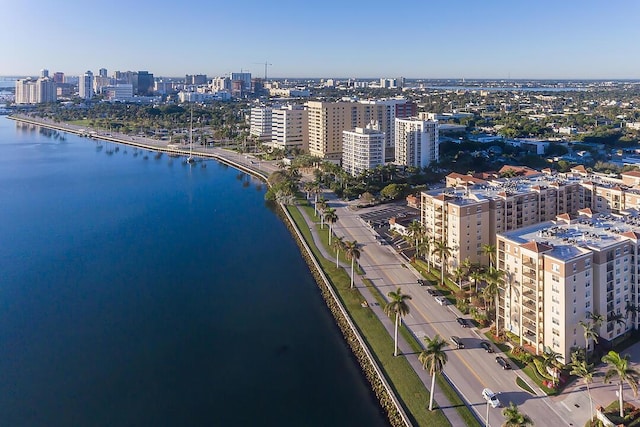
(266, 64)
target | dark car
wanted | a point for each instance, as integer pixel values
(432, 292)
(503, 363)
(487, 346)
(421, 282)
(461, 322)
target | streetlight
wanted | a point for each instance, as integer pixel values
(487, 423)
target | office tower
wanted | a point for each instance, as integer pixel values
(85, 85)
(290, 127)
(58, 77)
(44, 73)
(245, 78)
(196, 79)
(416, 142)
(260, 120)
(102, 72)
(362, 149)
(143, 83)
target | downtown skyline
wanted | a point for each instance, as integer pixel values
(472, 40)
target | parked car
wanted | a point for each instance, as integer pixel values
(487, 346)
(442, 300)
(461, 322)
(457, 342)
(503, 363)
(422, 282)
(432, 292)
(491, 397)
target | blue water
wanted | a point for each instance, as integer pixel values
(144, 292)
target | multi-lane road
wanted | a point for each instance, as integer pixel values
(470, 369)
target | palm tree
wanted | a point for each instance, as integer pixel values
(494, 279)
(331, 217)
(443, 252)
(338, 243)
(475, 276)
(551, 359)
(619, 367)
(426, 243)
(490, 251)
(585, 371)
(632, 309)
(458, 274)
(416, 231)
(616, 317)
(589, 333)
(322, 206)
(400, 308)
(514, 418)
(433, 359)
(353, 253)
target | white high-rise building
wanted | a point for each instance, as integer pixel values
(39, 91)
(290, 127)
(362, 149)
(85, 85)
(261, 123)
(416, 142)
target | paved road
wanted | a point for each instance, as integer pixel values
(470, 369)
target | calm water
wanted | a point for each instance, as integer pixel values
(141, 292)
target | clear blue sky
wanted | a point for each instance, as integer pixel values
(331, 38)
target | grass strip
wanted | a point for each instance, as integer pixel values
(451, 394)
(523, 385)
(403, 379)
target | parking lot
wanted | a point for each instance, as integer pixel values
(379, 216)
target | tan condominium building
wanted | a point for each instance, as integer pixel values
(327, 121)
(290, 127)
(466, 218)
(558, 273)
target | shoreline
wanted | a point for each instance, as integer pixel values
(380, 387)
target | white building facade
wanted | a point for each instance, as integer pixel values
(416, 142)
(85, 85)
(289, 127)
(260, 120)
(362, 149)
(38, 91)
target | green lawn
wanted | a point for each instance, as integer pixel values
(403, 379)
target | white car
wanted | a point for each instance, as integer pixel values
(442, 300)
(491, 397)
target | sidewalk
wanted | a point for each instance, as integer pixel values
(406, 351)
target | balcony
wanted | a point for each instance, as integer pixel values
(529, 274)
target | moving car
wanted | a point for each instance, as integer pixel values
(457, 342)
(432, 292)
(442, 301)
(503, 363)
(461, 322)
(487, 346)
(491, 397)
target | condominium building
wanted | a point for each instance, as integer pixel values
(327, 120)
(384, 112)
(416, 142)
(470, 216)
(85, 85)
(362, 149)
(29, 91)
(261, 120)
(560, 272)
(290, 127)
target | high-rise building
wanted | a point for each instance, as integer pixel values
(58, 77)
(384, 112)
(290, 127)
(416, 142)
(260, 120)
(29, 91)
(558, 273)
(195, 79)
(143, 83)
(44, 73)
(246, 80)
(362, 149)
(327, 121)
(102, 72)
(85, 85)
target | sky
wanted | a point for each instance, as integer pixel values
(501, 39)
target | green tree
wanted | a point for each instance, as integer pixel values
(514, 418)
(458, 275)
(433, 360)
(619, 367)
(352, 251)
(443, 252)
(399, 307)
(338, 244)
(584, 370)
(494, 279)
(589, 333)
(392, 191)
(330, 217)
(490, 251)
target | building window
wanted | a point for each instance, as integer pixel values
(555, 268)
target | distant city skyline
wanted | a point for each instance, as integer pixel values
(467, 39)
